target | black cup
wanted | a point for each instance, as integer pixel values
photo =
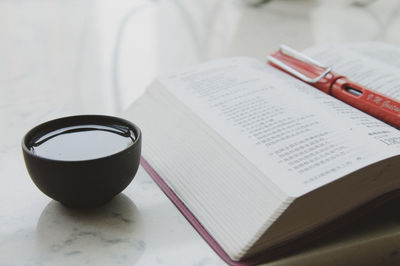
(82, 183)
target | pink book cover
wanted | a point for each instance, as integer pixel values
(275, 252)
(189, 216)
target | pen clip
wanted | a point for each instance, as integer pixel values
(285, 50)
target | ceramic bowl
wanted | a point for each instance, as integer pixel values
(82, 182)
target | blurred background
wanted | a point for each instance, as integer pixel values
(98, 56)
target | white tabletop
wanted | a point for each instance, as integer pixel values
(60, 58)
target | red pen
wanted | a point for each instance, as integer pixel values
(322, 78)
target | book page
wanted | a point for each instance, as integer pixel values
(299, 137)
(372, 64)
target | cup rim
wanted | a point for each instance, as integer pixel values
(102, 120)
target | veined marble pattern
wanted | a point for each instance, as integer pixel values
(60, 58)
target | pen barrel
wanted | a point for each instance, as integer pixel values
(375, 104)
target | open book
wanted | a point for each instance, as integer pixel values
(258, 160)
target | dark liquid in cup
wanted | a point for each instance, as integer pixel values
(83, 142)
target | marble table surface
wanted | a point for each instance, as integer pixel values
(60, 58)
